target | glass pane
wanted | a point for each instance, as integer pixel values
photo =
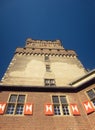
(63, 99)
(19, 109)
(57, 110)
(52, 81)
(13, 98)
(47, 81)
(65, 110)
(21, 98)
(10, 109)
(91, 94)
(55, 99)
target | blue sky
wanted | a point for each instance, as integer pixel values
(71, 21)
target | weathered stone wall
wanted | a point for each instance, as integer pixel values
(31, 70)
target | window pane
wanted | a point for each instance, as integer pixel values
(63, 100)
(55, 99)
(47, 81)
(91, 94)
(57, 110)
(10, 109)
(19, 109)
(13, 98)
(52, 81)
(21, 98)
(65, 109)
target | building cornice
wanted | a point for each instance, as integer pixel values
(84, 79)
(45, 51)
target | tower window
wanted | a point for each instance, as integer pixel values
(15, 104)
(60, 105)
(46, 58)
(91, 95)
(49, 82)
(48, 68)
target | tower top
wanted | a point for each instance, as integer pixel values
(40, 60)
(45, 47)
(43, 43)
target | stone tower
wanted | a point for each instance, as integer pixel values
(40, 61)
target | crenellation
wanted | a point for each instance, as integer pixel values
(29, 40)
(43, 44)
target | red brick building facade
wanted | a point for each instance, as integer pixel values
(47, 87)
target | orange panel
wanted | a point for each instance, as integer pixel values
(88, 107)
(28, 109)
(2, 107)
(48, 109)
(75, 110)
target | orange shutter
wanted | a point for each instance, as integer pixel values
(2, 107)
(75, 109)
(28, 109)
(88, 107)
(48, 109)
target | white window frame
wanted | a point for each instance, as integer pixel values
(16, 104)
(60, 105)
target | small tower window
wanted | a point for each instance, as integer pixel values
(49, 82)
(46, 58)
(48, 68)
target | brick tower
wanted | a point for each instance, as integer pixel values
(47, 87)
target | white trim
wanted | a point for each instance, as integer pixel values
(89, 76)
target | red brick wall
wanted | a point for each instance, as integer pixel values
(39, 121)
